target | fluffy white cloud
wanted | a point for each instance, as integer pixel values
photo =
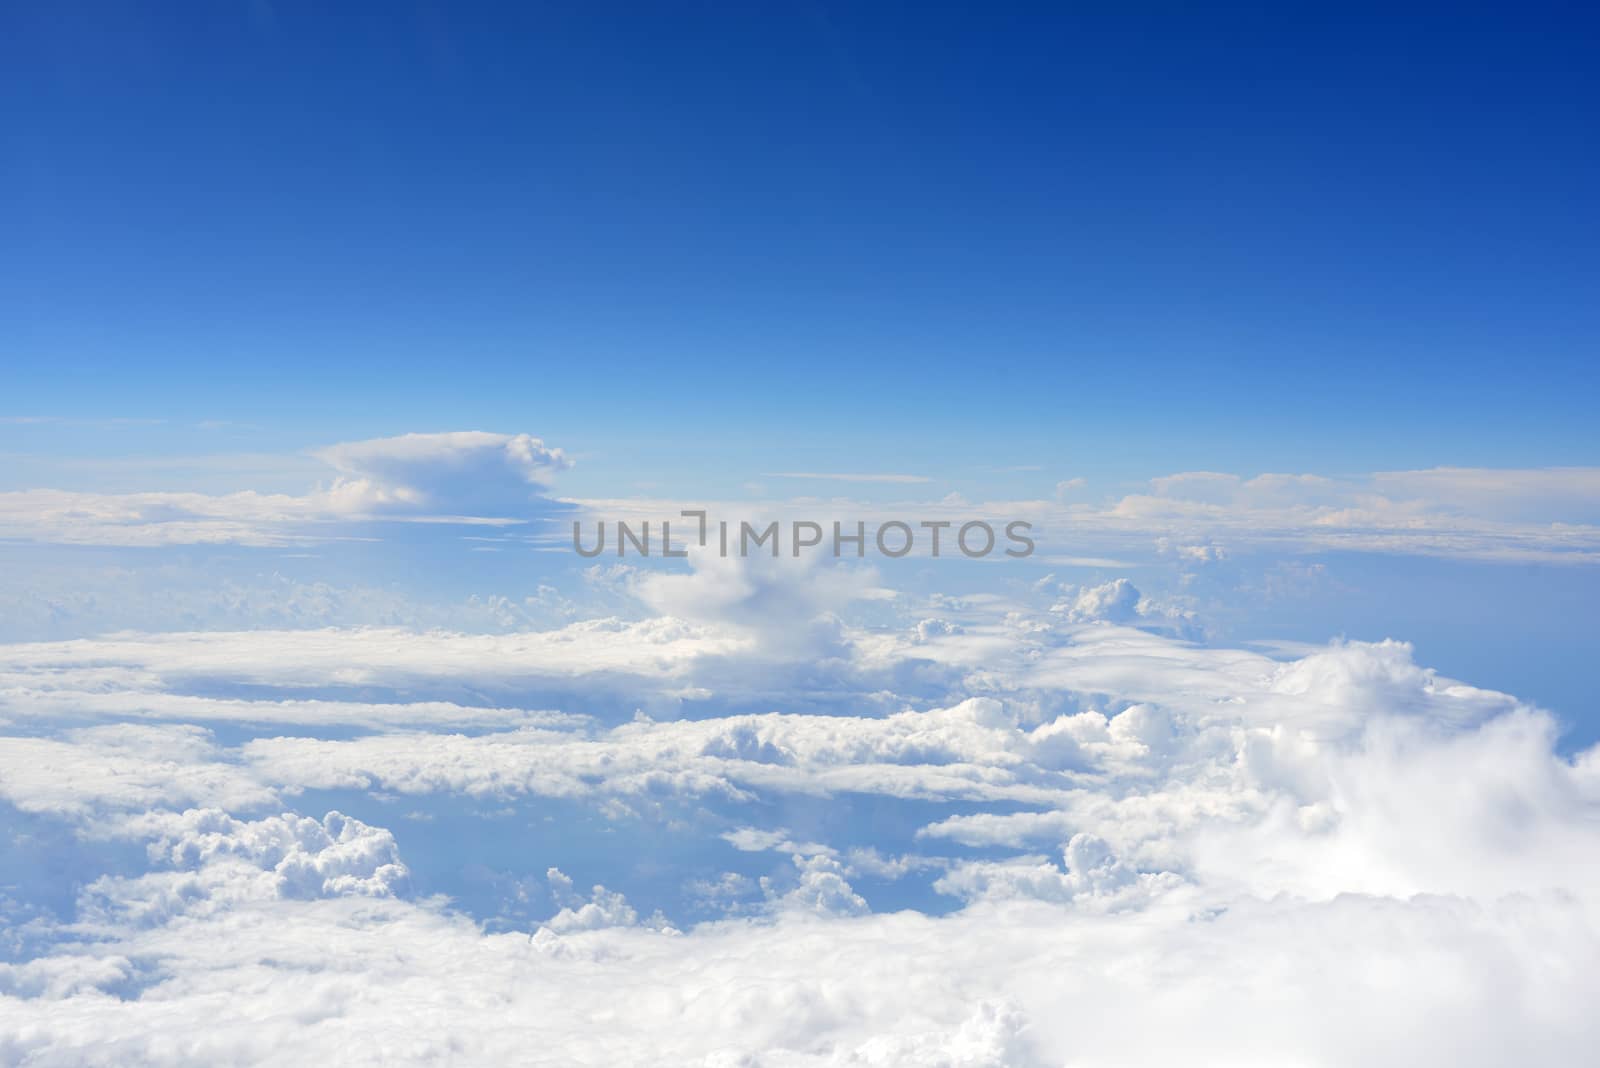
(1323, 855)
(1018, 982)
(1093, 875)
(209, 862)
(1116, 602)
(392, 656)
(788, 605)
(471, 475)
(462, 469)
(123, 766)
(972, 750)
(603, 908)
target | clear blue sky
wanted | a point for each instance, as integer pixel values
(1130, 241)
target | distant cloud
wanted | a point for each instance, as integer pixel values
(73, 421)
(1066, 486)
(1116, 602)
(1549, 515)
(1085, 561)
(463, 469)
(471, 474)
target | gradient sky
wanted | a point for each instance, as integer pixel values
(695, 246)
(322, 324)
(1119, 242)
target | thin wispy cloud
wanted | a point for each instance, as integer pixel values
(848, 476)
(72, 421)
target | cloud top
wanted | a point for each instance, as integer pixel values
(461, 469)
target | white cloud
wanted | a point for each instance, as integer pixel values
(1067, 486)
(822, 890)
(462, 470)
(208, 862)
(1541, 514)
(1331, 855)
(1115, 602)
(1549, 515)
(788, 606)
(1545, 514)
(124, 766)
(1354, 980)
(603, 908)
(651, 649)
(468, 475)
(1092, 876)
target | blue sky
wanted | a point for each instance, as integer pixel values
(995, 250)
(322, 324)
(1129, 243)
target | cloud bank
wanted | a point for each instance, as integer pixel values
(468, 475)
(1018, 832)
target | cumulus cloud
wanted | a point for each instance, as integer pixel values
(468, 475)
(207, 862)
(603, 908)
(1115, 602)
(1018, 836)
(463, 470)
(123, 766)
(1093, 875)
(787, 605)
(823, 889)
(1355, 980)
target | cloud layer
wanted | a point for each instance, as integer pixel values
(1005, 832)
(468, 475)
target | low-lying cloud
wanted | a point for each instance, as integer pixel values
(1329, 856)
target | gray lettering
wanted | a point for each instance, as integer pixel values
(961, 538)
(1011, 532)
(599, 545)
(624, 535)
(746, 530)
(884, 549)
(860, 539)
(806, 543)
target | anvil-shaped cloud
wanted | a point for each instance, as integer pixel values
(462, 470)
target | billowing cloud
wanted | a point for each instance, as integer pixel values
(465, 471)
(468, 475)
(123, 766)
(1022, 831)
(788, 605)
(1116, 602)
